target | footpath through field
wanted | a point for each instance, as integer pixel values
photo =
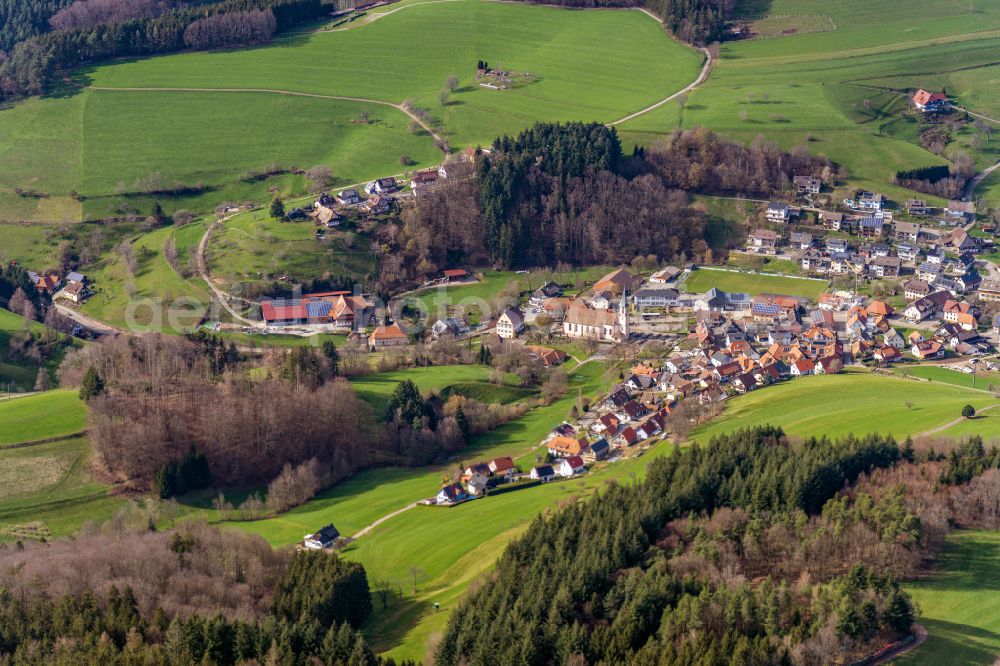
(942, 428)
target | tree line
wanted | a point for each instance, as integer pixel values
(693, 21)
(750, 550)
(33, 64)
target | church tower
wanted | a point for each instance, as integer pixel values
(623, 323)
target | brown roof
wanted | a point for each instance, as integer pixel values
(390, 332)
(619, 278)
(579, 313)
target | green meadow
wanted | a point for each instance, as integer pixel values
(753, 283)
(103, 142)
(57, 413)
(376, 389)
(805, 89)
(959, 603)
(252, 247)
(854, 402)
(156, 297)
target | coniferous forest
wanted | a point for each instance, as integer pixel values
(750, 550)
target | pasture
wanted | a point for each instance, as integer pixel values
(252, 247)
(854, 402)
(753, 283)
(278, 104)
(376, 389)
(156, 297)
(959, 604)
(791, 90)
(57, 413)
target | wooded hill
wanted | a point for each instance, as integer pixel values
(742, 552)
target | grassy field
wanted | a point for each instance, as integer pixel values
(450, 547)
(55, 413)
(375, 389)
(856, 402)
(983, 381)
(702, 280)
(253, 247)
(47, 491)
(791, 89)
(960, 604)
(103, 143)
(156, 298)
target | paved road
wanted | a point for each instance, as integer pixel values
(921, 636)
(976, 181)
(942, 428)
(92, 325)
(702, 76)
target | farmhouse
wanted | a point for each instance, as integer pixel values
(510, 323)
(335, 308)
(617, 281)
(324, 538)
(389, 335)
(928, 102)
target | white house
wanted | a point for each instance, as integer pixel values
(570, 466)
(543, 473)
(510, 324)
(325, 538)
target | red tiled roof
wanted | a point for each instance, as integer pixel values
(455, 272)
(923, 97)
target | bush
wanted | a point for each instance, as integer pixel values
(968, 411)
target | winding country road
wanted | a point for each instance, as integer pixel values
(977, 180)
(942, 428)
(702, 76)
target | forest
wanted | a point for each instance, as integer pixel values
(751, 550)
(152, 398)
(565, 195)
(128, 594)
(32, 64)
(23, 19)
